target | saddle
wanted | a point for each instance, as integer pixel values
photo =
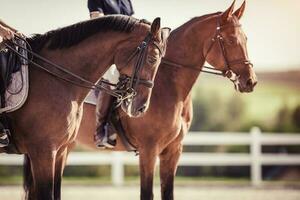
(13, 85)
(13, 77)
(9, 64)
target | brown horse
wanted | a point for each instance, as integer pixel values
(216, 38)
(48, 123)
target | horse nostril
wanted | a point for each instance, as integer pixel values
(142, 109)
(249, 83)
(254, 84)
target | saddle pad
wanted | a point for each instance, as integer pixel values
(17, 91)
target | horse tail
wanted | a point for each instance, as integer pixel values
(27, 175)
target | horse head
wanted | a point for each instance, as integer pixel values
(227, 49)
(141, 65)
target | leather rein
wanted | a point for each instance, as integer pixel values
(129, 90)
(217, 39)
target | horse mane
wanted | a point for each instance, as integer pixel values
(208, 16)
(71, 35)
(204, 17)
(197, 19)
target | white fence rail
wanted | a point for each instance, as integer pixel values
(255, 159)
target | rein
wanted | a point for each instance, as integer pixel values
(140, 52)
(209, 70)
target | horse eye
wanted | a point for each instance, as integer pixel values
(232, 41)
(152, 60)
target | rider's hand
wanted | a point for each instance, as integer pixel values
(6, 33)
(96, 14)
(20, 34)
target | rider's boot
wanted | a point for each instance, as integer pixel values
(103, 137)
(4, 140)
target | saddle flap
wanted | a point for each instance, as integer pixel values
(9, 63)
(13, 76)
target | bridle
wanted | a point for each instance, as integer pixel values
(127, 84)
(217, 39)
(228, 72)
(121, 94)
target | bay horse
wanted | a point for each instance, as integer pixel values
(216, 38)
(47, 124)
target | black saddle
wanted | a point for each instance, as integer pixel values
(9, 64)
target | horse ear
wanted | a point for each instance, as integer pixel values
(228, 13)
(155, 26)
(239, 12)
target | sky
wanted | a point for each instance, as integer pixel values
(272, 26)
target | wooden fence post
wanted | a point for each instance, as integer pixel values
(117, 169)
(255, 150)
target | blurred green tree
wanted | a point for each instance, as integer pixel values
(235, 109)
(296, 117)
(283, 120)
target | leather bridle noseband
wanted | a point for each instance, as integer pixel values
(120, 94)
(217, 38)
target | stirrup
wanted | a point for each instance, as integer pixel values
(107, 141)
(4, 140)
(105, 144)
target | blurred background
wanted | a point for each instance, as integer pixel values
(273, 29)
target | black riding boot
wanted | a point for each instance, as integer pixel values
(103, 136)
(4, 141)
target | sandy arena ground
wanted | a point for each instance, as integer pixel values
(181, 193)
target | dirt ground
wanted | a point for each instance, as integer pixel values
(181, 193)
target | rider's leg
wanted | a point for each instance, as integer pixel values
(4, 141)
(104, 102)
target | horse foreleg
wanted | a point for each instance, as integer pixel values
(27, 179)
(42, 167)
(60, 163)
(168, 165)
(147, 165)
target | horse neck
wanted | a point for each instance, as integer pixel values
(185, 47)
(89, 59)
